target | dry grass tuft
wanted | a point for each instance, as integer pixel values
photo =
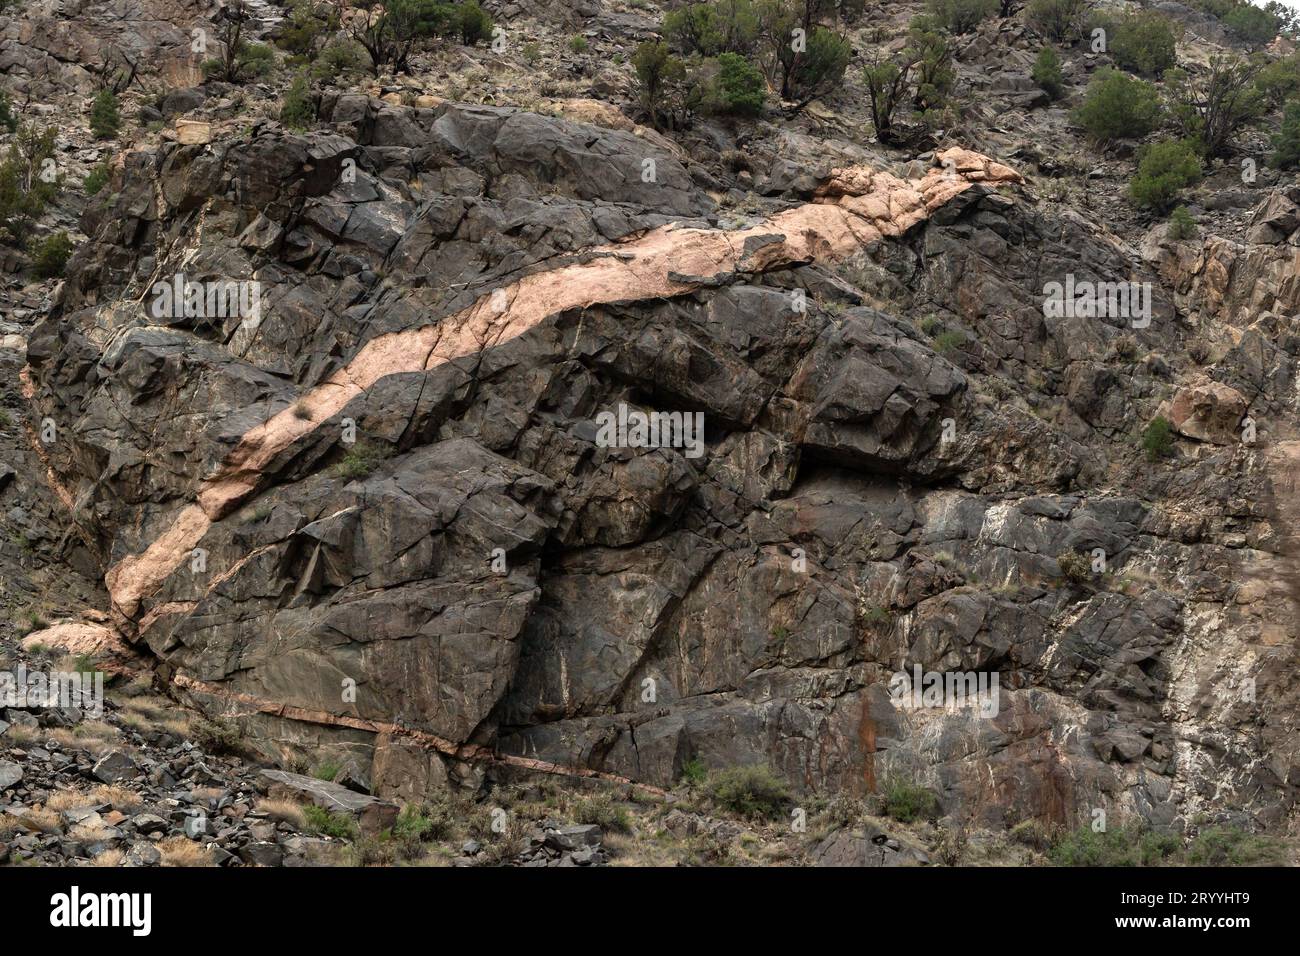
(41, 819)
(68, 799)
(286, 811)
(117, 797)
(182, 851)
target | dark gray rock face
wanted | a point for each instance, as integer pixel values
(478, 570)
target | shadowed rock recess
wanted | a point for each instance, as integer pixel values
(376, 524)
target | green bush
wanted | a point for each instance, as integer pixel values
(358, 462)
(1117, 106)
(601, 810)
(1058, 20)
(95, 180)
(1279, 80)
(1144, 43)
(327, 771)
(821, 67)
(1286, 141)
(1251, 24)
(51, 255)
(337, 59)
(299, 110)
(737, 88)
(1121, 846)
(307, 28)
(472, 23)
(1164, 169)
(948, 341)
(104, 118)
(1158, 438)
(256, 59)
(1047, 72)
(962, 16)
(886, 83)
(578, 44)
(1181, 224)
(906, 801)
(1075, 567)
(249, 60)
(422, 822)
(709, 29)
(753, 791)
(218, 736)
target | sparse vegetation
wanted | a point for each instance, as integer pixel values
(962, 16)
(287, 811)
(1118, 846)
(601, 810)
(1231, 846)
(949, 341)
(1181, 224)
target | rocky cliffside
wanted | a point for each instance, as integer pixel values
(370, 518)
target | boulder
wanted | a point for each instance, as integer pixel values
(115, 766)
(867, 846)
(1208, 411)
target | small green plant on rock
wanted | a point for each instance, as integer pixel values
(1158, 438)
(104, 117)
(1181, 224)
(1047, 73)
(51, 255)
